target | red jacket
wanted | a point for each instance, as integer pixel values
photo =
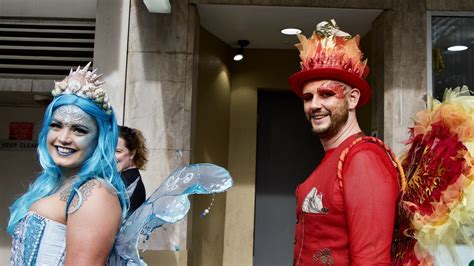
(351, 225)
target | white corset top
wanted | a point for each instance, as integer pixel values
(38, 241)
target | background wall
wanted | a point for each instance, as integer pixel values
(211, 145)
(19, 168)
(159, 99)
(268, 69)
(110, 49)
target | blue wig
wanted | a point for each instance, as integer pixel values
(101, 164)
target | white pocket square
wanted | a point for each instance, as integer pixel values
(313, 202)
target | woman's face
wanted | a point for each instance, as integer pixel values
(124, 156)
(72, 138)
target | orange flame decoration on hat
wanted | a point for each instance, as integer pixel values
(331, 47)
(331, 54)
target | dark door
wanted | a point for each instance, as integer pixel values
(287, 152)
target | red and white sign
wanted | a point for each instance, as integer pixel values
(21, 131)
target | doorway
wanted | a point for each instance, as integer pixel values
(287, 153)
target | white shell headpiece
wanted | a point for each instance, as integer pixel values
(85, 84)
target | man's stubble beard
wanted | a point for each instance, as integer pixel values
(338, 118)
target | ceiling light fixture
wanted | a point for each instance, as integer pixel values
(239, 54)
(290, 31)
(457, 48)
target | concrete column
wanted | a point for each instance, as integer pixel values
(402, 32)
(148, 61)
(110, 49)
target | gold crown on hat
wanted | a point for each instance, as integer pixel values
(330, 47)
(85, 84)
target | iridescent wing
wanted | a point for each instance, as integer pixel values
(168, 204)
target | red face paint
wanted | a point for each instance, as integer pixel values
(332, 88)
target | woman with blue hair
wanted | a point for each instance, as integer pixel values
(73, 210)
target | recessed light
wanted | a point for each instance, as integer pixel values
(457, 48)
(290, 31)
(238, 57)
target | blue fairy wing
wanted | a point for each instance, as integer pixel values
(168, 204)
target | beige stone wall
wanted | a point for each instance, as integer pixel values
(158, 101)
(158, 93)
(110, 49)
(261, 69)
(149, 62)
(211, 145)
(405, 69)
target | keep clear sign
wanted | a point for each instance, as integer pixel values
(18, 145)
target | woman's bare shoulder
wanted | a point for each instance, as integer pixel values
(95, 193)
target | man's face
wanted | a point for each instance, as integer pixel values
(326, 106)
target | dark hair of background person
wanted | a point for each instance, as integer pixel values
(134, 141)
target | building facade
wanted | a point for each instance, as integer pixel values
(175, 81)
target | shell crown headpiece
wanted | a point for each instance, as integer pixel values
(85, 84)
(329, 47)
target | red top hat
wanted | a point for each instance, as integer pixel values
(331, 54)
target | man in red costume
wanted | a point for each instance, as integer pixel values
(346, 207)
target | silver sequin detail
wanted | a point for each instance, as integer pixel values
(26, 240)
(70, 114)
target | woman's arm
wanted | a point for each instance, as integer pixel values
(92, 227)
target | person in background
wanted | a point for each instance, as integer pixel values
(132, 156)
